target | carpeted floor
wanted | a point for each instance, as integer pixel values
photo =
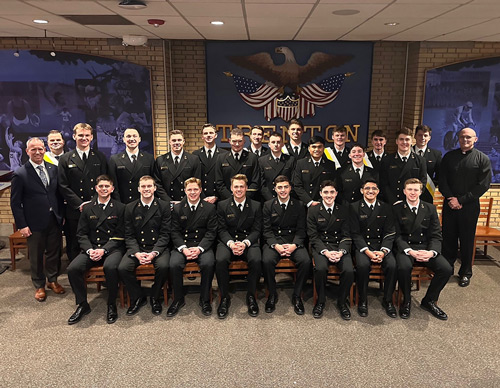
(38, 348)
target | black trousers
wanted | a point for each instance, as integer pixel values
(363, 266)
(206, 261)
(320, 276)
(460, 225)
(70, 229)
(224, 256)
(82, 263)
(127, 267)
(442, 272)
(46, 242)
(270, 257)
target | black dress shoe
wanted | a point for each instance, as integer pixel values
(206, 308)
(345, 313)
(318, 310)
(136, 306)
(223, 308)
(363, 309)
(156, 308)
(175, 307)
(253, 307)
(112, 314)
(464, 281)
(432, 307)
(81, 310)
(390, 309)
(404, 310)
(298, 306)
(271, 303)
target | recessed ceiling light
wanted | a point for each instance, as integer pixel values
(132, 4)
(217, 23)
(345, 12)
(40, 21)
(391, 24)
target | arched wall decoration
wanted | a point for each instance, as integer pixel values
(40, 92)
(465, 94)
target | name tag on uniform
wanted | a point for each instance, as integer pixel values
(183, 217)
(138, 218)
(363, 216)
(404, 218)
(305, 171)
(321, 219)
(120, 167)
(94, 217)
(225, 164)
(268, 168)
(348, 180)
(71, 165)
(274, 215)
(112, 217)
(392, 166)
(231, 215)
(246, 165)
(164, 168)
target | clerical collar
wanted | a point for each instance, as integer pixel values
(179, 156)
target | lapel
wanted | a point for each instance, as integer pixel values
(244, 214)
(153, 208)
(34, 175)
(316, 170)
(233, 163)
(182, 162)
(406, 166)
(192, 218)
(76, 160)
(323, 213)
(127, 163)
(420, 216)
(103, 215)
(138, 164)
(374, 213)
(210, 163)
(277, 207)
(52, 171)
(333, 217)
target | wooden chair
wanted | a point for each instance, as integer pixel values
(145, 272)
(438, 202)
(332, 274)
(96, 275)
(193, 270)
(485, 234)
(285, 266)
(16, 242)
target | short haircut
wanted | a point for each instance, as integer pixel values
(239, 177)
(296, 122)
(257, 127)
(192, 180)
(424, 128)
(236, 131)
(328, 182)
(357, 145)
(342, 129)
(276, 134)
(413, 181)
(84, 126)
(31, 140)
(379, 133)
(316, 139)
(281, 179)
(176, 132)
(405, 132)
(369, 181)
(207, 125)
(147, 178)
(104, 177)
(133, 129)
(55, 132)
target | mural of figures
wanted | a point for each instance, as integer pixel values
(39, 93)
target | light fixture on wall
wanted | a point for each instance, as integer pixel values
(134, 40)
(132, 4)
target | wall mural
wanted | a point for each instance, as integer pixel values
(324, 84)
(40, 92)
(465, 94)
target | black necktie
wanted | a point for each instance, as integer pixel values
(134, 158)
(296, 150)
(414, 210)
(357, 172)
(240, 206)
(193, 208)
(57, 157)
(378, 158)
(329, 210)
(283, 206)
(421, 153)
(176, 161)
(404, 159)
(257, 153)
(84, 158)
(237, 157)
(209, 154)
(277, 160)
(146, 208)
(316, 164)
(101, 205)
(371, 207)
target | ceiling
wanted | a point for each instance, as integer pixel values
(418, 20)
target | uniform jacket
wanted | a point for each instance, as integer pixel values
(208, 170)
(77, 179)
(170, 179)
(422, 231)
(269, 170)
(147, 231)
(227, 167)
(198, 229)
(126, 174)
(328, 232)
(376, 165)
(372, 229)
(99, 228)
(394, 172)
(304, 151)
(238, 226)
(349, 182)
(284, 226)
(30, 201)
(307, 178)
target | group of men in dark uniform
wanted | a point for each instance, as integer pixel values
(258, 204)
